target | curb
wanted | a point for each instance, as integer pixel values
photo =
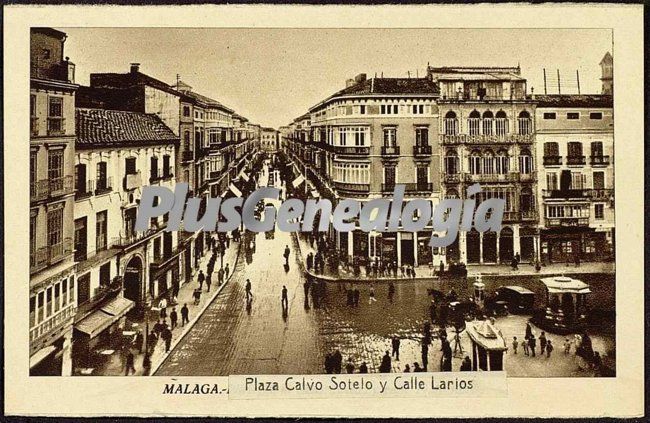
(190, 325)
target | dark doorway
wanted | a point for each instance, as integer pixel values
(407, 250)
(505, 246)
(473, 247)
(490, 247)
(133, 280)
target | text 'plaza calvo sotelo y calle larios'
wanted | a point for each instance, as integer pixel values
(427, 223)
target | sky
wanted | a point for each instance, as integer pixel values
(272, 76)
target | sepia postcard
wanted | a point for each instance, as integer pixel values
(324, 211)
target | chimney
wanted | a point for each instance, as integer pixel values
(135, 67)
(349, 82)
(360, 78)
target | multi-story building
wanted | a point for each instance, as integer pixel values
(365, 139)
(575, 146)
(52, 291)
(270, 140)
(117, 153)
(487, 137)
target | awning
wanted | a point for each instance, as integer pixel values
(244, 176)
(235, 190)
(41, 355)
(299, 180)
(101, 319)
(315, 193)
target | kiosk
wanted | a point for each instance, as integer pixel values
(488, 346)
(566, 305)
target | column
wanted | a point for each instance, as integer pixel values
(462, 246)
(66, 367)
(480, 247)
(498, 242)
(351, 244)
(516, 245)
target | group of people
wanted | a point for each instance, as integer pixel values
(529, 344)
(315, 262)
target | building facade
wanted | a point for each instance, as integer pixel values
(52, 291)
(487, 135)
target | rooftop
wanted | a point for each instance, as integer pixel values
(100, 128)
(574, 100)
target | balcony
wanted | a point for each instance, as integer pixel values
(567, 221)
(131, 238)
(49, 188)
(132, 181)
(495, 177)
(600, 194)
(529, 215)
(352, 188)
(84, 189)
(55, 125)
(101, 295)
(599, 160)
(352, 149)
(50, 255)
(421, 150)
(419, 187)
(486, 139)
(102, 186)
(575, 160)
(568, 193)
(187, 156)
(452, 178)
(214, 175)
(34, 126)
(390, 150)
(552, 160)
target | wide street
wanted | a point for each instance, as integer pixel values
(233, 337)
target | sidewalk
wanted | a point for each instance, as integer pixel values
(431, 272)
(115, 366)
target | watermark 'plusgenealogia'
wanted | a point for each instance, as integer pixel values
(295, 215)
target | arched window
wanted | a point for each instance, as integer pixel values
(501, 123)
(488, 162)
(502, 162)
(525, 162)
(475, 162)
(451, 193)
(525, 123)
(473, 122)
(527, 201)
(451, 123)
(488, 123)
(451, 162)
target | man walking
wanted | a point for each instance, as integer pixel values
(395, 344)
(167, 337)
(220, 276)
(185, 312)
(285, 298)
(201, 279)
(249, 294)
(385, 365)
(542, 343)
(310, 260)
(173, 316)
(286, 255)
(130, 359)
(532, 342)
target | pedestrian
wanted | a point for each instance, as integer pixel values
(129, 367)
(226, 271)
(349, 367)
(139, 340)
(285, 298)
(163, 307)
(549, 348)
(385, 365)
(208, 280)
(201, 279)
(567, 346)
(395, 344)
(391, 291)
(529, 331)
(466, 365)
(542, 343)
(371, 295)
(146, 364)
(167, 337)
(524, 345)
(532, 343)
(286, 255)
(402, 270)
(337, 361)
(310, 260)
(185, 312)
(173, 317)
(328, 363)
(515, 344)
(417, 368)
(220, 276)
(425, 354)
(249, 294)
(446, 356)
(407, 369)
(442, 268)
(363, 368)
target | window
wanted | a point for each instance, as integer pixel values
(422, 175)
(101, 228)
(129, 165)
(596, 115)
(451, 163)
(55, 229)
(57, 297)
(362, 109)
(599, 180)
(351, 172)
(574, 150)
(501, 123)
(55, 169)
(33, 172)
(80, 179)
(422, 136)
(55, 115)
(389, 176)
(64, 292)
(390, 137)
(83, 293)
(186, 111)
(475, 163)
(418, 109)
(102, 177)
(525, 123)
(473, 123)
(599, 211)
(596, 149)
(502, 162)
(32, 311)
(156, 249)
(488, 163)
(451, 123)
(488, 123)
(71, 289)
(32, 234)
(186, 141)
(41, 307)
(525, 162)
(551, 181)
(550, 115)
(578, 180)
(573, 115)
(167, 170)
(105, 275)
(154, 168)
(80, 239)
(48, 302)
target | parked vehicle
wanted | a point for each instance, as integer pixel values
(514, 298)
